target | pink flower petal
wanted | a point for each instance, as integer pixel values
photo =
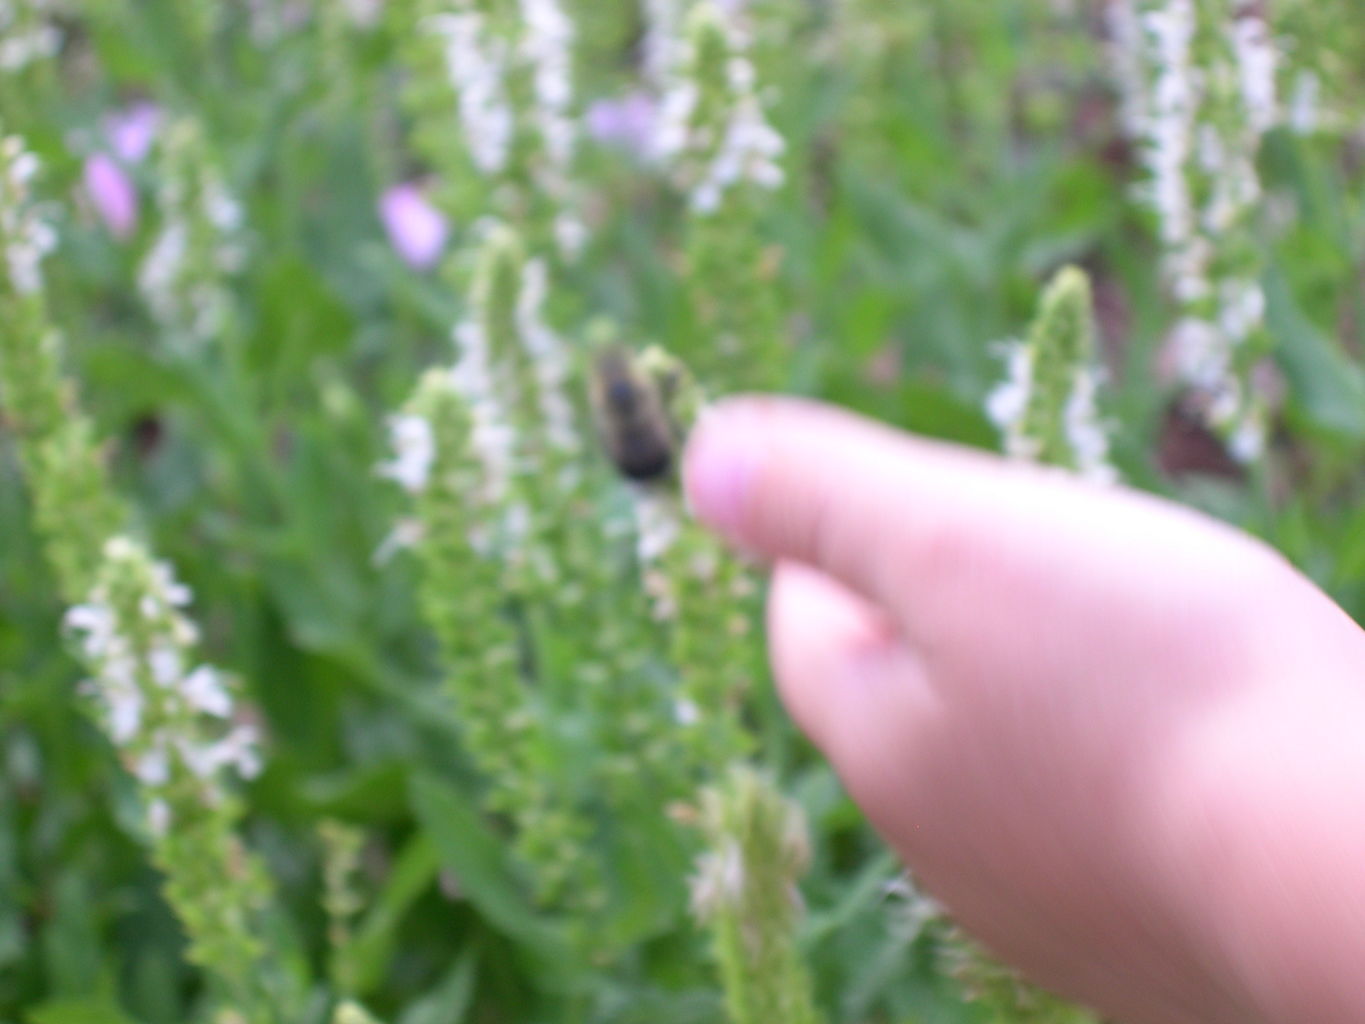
(112, 194)
(627, 121)
(132, 130)
(416, 229)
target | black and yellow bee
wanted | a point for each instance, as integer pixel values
(632, 415)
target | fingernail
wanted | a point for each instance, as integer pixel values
(720, 467)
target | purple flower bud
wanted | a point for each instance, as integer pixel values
(132, 130)
(112, 193)
(626, 121)
(416, 229)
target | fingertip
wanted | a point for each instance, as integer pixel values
(723, 457)
(792, 479)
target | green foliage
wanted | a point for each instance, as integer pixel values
(505, 688)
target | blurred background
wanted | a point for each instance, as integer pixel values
(263, 221)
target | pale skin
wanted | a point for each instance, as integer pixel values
(1122, 743)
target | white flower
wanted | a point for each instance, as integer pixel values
(662, 39)
(172, 591)
(547, 46)
(749, 152)
(1242, 308)
(1201, 355)
(1008, 404)
(657, 524)
(476, 65)
(748, 149)
(549, 358)
(153, 768)
(165, 665)
(918, 909)
(571, 234)
(1125, 31)
(658, 586)
(1085, 434)
(1200, 128)
(1305, 104)
(673, 127)
(238, 750)
(719, 880)
(160, 274)
(1170, 112)
(414, 446)
(159, 715)
(23, 42)
(97, 622)
(25, 235)
(1246, 443)
(1257, 61)
(123, 706)
(204, 691)
(480, 63)
(492, 436)
(199, 244)
(158, 817)
(220, 208)
(657, 527)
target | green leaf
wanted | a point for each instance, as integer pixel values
(301, 320)
(364, 961)
(1327, 388)
(71, 941)
(864, 893)
(481, 862)
(365, 791)
(450, 1000)
(94, 1010)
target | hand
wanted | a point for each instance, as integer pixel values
(1122, 743)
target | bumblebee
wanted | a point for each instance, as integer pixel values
(632, 416)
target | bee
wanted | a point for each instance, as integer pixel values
(632, 416)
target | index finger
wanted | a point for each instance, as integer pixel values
(922, 528)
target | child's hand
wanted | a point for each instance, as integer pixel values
(1123, 743)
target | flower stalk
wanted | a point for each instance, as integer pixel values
(57, 446)
(503, 71)
(1200, 94)
(724, 157)
(342, 898)
(1046, 406)
(174, 723)
(744, 891)
(472, 599)
(185, 277)
(179, 735)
